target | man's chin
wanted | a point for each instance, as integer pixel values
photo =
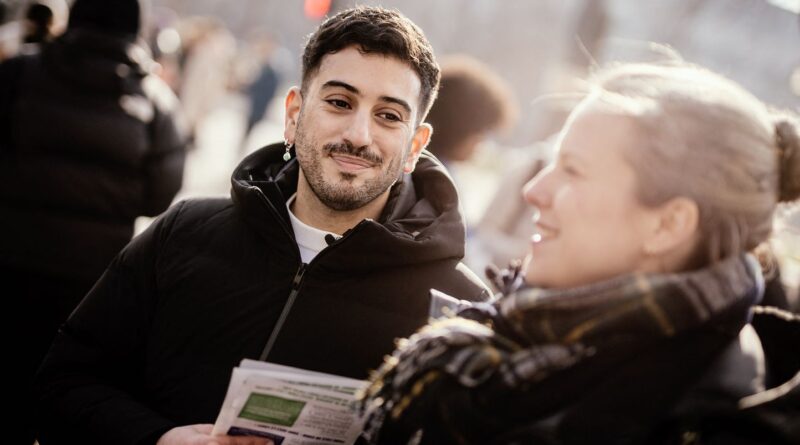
(341, 205)
(347, 177)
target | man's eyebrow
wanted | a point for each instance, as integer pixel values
(397, 101)
(340, 84)
(354, 90)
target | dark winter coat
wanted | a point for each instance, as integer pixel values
(89, 141)
(153, 345)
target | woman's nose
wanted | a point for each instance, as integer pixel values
(535, 191)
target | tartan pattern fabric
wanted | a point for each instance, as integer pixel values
(522, 338)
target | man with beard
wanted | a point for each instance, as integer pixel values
(324, 255)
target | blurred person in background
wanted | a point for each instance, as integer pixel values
(206, 60)
(89, 141)
(44, 20)
(324, 254)
(10, 29)
(165, 43)
(261, 88)
(40, 22)
(473, 104)
(630, 321)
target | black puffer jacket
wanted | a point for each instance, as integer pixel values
(89, 142)
(153, 345)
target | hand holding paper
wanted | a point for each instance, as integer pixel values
(289, 406)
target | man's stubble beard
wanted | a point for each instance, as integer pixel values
(342, 195)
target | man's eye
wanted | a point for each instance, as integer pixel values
(391, 117)
(338, 103)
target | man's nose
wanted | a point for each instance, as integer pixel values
(359, 132)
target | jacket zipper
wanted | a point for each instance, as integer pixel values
(298, 278)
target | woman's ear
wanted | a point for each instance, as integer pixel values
(675, 228)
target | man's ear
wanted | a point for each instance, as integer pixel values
(675, 227)
(422, 135)
(293, 104)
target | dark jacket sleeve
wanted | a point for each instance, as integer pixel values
(89, 388)
(169, 139)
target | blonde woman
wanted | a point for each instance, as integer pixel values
(630, 320)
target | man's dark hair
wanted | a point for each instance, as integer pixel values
(380, 31)
(472, 100)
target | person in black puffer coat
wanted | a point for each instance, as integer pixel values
(89, 141)
(324, 254)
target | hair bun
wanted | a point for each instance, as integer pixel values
(788, 142)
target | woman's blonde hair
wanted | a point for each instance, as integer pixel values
(707, 139)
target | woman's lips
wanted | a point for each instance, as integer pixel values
(543, 232)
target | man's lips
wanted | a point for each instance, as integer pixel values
(351, 163)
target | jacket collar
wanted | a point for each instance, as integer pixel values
(421, 221)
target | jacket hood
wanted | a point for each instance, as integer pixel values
(95, 61)
(421, 222)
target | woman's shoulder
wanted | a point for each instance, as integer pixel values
(751, 392)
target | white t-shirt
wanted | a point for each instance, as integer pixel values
(310, 240)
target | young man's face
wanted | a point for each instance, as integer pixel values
(355, 129)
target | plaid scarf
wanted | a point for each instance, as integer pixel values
(522, 339)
